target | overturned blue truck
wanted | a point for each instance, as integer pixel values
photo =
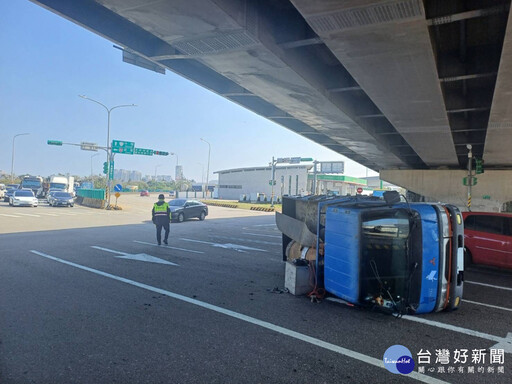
(377, 252)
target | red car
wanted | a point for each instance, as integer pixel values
(488, 238)
(144, 193)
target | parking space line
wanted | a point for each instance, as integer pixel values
(487, 305)
(488, 285)
(503, 342)
(167, 246)
(261, 234)
(260, 323)
(244, 240)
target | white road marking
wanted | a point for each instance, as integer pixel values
(263, 225)
(6, 215)
(137, 256)
(488, 285)
(487, 305)
(503, 342)
(244, 239)
(264, 324)
(27, 214)
(167, 246)
(236, 247)
(48, 214)
(261, 234)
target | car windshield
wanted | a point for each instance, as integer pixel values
(177, 203)
(24, 193)
(31, 184)
(62, 195)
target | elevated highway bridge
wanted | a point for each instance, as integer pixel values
(400, 86)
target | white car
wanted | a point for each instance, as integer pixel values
(23, 197)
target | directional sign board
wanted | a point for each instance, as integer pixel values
(85, 146)
(143, 151)
(124, 147)
(54, 142)
(118, 188)
(111, 171)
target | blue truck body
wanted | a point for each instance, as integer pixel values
(399, 257)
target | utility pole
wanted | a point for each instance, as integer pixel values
(273, 181)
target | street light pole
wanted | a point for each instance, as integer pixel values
(208, 166)
(12, 160)
(156, 167)
(96, 154)
(109, 149)
(177, 162)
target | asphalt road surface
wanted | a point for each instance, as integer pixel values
(86, 296)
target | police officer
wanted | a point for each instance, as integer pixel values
(161, 218)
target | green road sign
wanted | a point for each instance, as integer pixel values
(124, 147)
(465, 181)
(54, 142)
(111, 171)
(143, 151)
(306, 159)
(161, 153)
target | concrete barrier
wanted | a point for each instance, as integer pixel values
(92, 203)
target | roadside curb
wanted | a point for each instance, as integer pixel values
(262, 209)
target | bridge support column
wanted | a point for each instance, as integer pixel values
(492, 190)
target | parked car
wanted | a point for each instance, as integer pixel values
(23, 197)
(61, 198)
(183, 209)
(488, 238)
(8, 193)
(144, 193)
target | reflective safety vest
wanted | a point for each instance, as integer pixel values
(160, 210)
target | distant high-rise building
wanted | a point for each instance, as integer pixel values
(179, 172)
(124, 175)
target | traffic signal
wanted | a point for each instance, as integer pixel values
(105, 167)
(479, 166)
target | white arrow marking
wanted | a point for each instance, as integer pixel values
(236, 247)
(138, 256)
(166, 246)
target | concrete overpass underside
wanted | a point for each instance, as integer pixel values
(395, 85)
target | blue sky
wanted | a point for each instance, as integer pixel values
(48, 61)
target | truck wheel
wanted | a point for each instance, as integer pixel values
(202, 216)
(181, 218)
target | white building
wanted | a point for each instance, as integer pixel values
(289, 180)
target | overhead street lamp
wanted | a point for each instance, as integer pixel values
(96, 154)
(12, 160)
(109, 150)
(208, 166)
(156, 167)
